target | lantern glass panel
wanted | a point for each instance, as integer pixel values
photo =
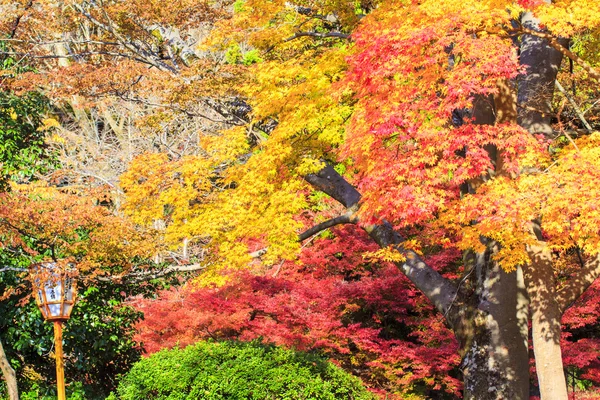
(67, 310)
(55, 292)
(69, 289)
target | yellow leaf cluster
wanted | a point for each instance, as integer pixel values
(387, 254)
(567, 18)
(557, 196)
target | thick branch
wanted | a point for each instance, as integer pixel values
(578, 283)
(329, 181)
(439, 290)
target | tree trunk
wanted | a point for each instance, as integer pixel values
(536, 89)
(545, 324)
(536, 86)
(9, 375)
(496, 360)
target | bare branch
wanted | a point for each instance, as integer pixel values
(76, 55)
(319, 35)
(124, 42)
(15, 269)
(575, 106)
(174, 108)
(143, 276)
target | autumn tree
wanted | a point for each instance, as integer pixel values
(359, 313)
(437, 115)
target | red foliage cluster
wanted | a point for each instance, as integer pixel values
(366, 317)
(581, 339)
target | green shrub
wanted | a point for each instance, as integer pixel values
(237, 370)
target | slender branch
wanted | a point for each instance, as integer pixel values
(75, 55)
(320, 35)
(127, 44)
(574, 104)
(15, 269)
(51, 42)
(174, 108)
(143, 276)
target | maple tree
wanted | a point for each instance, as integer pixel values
(430, 116)
(360, 314)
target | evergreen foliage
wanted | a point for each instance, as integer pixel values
(237, 370)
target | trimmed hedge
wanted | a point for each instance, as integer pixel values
(238, 370)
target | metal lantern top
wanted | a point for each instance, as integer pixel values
(54, 290)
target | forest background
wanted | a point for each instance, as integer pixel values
(408, 188)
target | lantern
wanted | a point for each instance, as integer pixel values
(55, 294)
(54, 290)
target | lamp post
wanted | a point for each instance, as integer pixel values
(55, 293)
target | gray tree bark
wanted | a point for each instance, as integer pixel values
(496, 363)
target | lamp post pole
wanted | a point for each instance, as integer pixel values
(60, 368)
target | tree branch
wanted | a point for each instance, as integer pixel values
(144, 276)
(329, 181)
(320, 35)
(15, 269)
(562, 90)
(146, 58)
(440, 291)
(347, 218)
(578, 283)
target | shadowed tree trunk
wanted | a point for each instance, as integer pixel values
(9, 375)
(535, 92)
(496, 363)
(545, 323)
